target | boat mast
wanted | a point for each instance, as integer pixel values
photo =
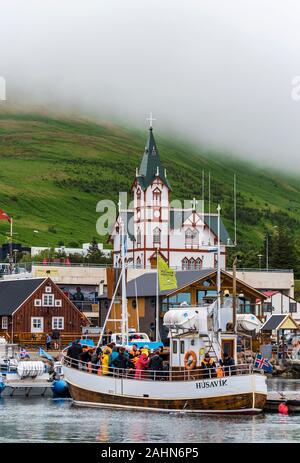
(157, 337)
(219, 278)
(124, 323)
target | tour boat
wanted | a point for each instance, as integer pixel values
(184, 386)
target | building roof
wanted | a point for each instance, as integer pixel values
(277, 322)
(270, 293)
(178, 217)
(151, 164)
(145, 285)
(14, 292)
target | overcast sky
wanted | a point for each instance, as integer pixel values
(218, 72)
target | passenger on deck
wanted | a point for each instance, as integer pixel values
(85, 357)
(228, 364)
(208, 365)
(141, 366)
(105, 361)
(96, 359)
(155, 364)
(73, 352)
(113, 355)
(121, 361)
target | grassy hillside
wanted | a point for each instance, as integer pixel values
(54, 170)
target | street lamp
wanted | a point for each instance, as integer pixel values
(259, 257)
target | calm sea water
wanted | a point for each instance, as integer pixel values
(50, 420)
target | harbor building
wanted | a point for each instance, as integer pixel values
(198, 287)
(30, 308)
(182, 234)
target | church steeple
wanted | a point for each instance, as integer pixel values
(151, 165)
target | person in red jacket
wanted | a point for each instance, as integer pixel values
(141, 365)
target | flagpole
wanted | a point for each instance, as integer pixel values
(157, 300)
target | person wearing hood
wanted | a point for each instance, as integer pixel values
(105, 357)
(114, 354)
(121, 361)
(155, 364)
(141, 365)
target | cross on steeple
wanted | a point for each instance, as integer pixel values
(150, 119)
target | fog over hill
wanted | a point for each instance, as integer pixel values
(218, 73)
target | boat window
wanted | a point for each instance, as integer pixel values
(182, 347)
(174, 347)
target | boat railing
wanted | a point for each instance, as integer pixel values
(175, 374)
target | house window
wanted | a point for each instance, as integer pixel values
(156, 236)
(37, 302)
(185, 264)
(138, 237)
(4, 324)
(48, 300)
(293, 307)
(58, 302)
(48, 289)
(58, 323)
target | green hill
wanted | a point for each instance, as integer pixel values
(54, 170)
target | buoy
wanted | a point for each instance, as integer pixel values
(60, 388)
(283, 408)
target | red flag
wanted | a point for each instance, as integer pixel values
(4, 216)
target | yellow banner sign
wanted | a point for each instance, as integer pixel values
(166, 276)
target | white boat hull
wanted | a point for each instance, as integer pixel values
(244, 393)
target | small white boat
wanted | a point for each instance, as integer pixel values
(248, 322)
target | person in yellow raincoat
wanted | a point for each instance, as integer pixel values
(104, 361)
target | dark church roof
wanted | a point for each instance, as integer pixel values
(145, 285)
(14, 292)
(151, 164)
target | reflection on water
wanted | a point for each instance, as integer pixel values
(48, 420)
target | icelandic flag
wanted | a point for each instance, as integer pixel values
(263, 363)
(44, 354)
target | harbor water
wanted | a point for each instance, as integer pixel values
(58, 420)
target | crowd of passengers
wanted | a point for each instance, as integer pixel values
(137, 362)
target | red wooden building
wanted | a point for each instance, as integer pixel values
(31, 308)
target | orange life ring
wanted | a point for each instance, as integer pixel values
(188, 354)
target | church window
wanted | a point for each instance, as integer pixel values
(198, 264)
(192, 264)
(156, 236)
(185, 264)
(156, 197)
(138, 198)
(138, 237)
(191, 237)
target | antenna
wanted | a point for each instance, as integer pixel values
(234, 206)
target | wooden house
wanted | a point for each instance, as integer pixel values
(31, 308)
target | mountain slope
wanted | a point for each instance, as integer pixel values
(54, 170)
